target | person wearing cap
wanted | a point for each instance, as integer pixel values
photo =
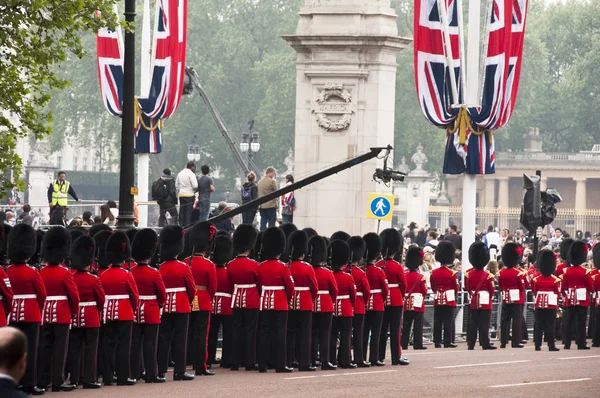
(512, 285)
(152, 297)
(85, 327)
(121, 298)
(363, 294)
(62, 302)
(28, 300)
(546, 288)
(167, 203)
(414, 299)
(444, 284)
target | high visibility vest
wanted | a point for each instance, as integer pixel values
(60, 193)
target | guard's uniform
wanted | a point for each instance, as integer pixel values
(221, 318)
(375, 310)
(363, 295)
(6, 297)
(342, 319)
(547, 291)
(480, 285)
(512, 287)
(577, 285)
(394, 304)
(596, 307)
(323, 313)
(444, 284)
(414, 308)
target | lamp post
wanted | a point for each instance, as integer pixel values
(250, 143)
(193, 154)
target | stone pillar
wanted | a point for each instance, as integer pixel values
(490, 191)
(345, 100)
(580, 202)
(503, 201)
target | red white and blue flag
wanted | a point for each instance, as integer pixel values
(109, 47)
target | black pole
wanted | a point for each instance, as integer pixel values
(126, 180)
(536, 239)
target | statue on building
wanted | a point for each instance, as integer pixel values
(419, 158)
(403, 167)
(289, 162)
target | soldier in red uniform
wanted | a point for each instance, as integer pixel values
(181, 290)
(546, 288)
(376, 303)
(392, 317)
(480, 285)
(512, 287)
(444, 284)
(339, 254)
(85, 328)
(144, 338)
(243, 273)
(28, 300)
(6, 297)
(577, 285)
(596, 301)
(363, 294)
(220, 318)
(302, 304)
(323, 306)
(564, 248)
(121, 298)
(414, 299)
(277, 290)
(102, 263)
(62, 301)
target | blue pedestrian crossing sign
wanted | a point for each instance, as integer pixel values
(381, 206)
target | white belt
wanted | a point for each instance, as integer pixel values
(24, 296)
(359, 294)
(56, 298)
(376, 291)
(273, 287)
(148, 297)
(87, 304)
(393, 285)
(302, 288)
(323, 292)
(345, 296)
(117, 297)
(246, 286)
(176, 289)
(221, 294)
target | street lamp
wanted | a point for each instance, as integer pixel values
(193, 154)
(250, 141)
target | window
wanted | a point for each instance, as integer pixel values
(85, 163)
(75, 163)
(59, 162)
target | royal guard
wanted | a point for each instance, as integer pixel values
(376, 303)
(301, 306)
(323, 305)
(277, 290)
(205, 277)
(546, 288)
(343, 311)
(121, 298)
(414, 299)
(596, 301)
(512, 287)
(577, 285)
(339, 235)
(28, 299)
(564, 248)
(102, 263)
(287, 229)
(6, 297)
(146, 322)
(62, 302)
(85, 327)
(444, 284)
(181, 290)
(131, 232)
(363, 294)
(220, 318)
(243, 273)
(391, 243)
(480, 285)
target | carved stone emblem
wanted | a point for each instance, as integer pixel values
(334, 107)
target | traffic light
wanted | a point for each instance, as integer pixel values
(531, 209)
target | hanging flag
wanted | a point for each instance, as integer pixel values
(109, 57)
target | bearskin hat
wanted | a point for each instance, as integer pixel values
(310, 232)
(288, 229)
(564, 248)
(511, 254)
(222, 250)
(201, 236)
(94, 229)
(546, 262)
(297, 245)
(339, 254)
(595, 250)
(244, 238)
(187, 246)
(171, 242)
(340, 235)
(131, 232)
(118, 248)
(4, 231)
(77, 232)
(82, 252)
(414, 258)
(36, 258)
(373, 246)
(479, 255)
(144, 244)
(256, 252)
(20, 243)
(391, 241)
(317, 250)
(357, 248)
(578, 253)
(273, 243)
(101, 238)
(444, 252)
(56, 245)
(597, 258)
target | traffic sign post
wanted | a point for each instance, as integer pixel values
(380, 207)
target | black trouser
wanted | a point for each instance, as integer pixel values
(216, 321)
(199, 323)
(185, 210)
(341, 325)
(83, 343)
(592, 321)
(116, 344)
(545, 320)
(173, 329)
(443, 316)
(170, 208)
(299, 338)
(510, 312)
(407, 322)
(53, 353)
(576, 316)
(32, 333)
(358, 325)
(243, 336)
(373, 320)
(524, 331)
(272, 321)
(392, 318)
(321, 330)
(479, 321)
(144, 340)
(596, 337)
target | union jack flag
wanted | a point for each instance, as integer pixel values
(109, 46)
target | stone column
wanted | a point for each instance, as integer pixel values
(580, 202)
(490, 191)
(503, 201)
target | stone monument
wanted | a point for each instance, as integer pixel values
(40, 172)
(418, 183)
(345, 101)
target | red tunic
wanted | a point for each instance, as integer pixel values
(480, 285)
(577, 281)
(379, 288)
(395, 275)
(205, 276)
(547, 291)
(444, 284)
(91, 300)
(221, 303)
(560, 269)
(29, 293)
(180, 286)
(62, 298)
(511, 279)
(597, 289)
(121, 294)
(363, 290)
(243, 273)
(152, 294)
(6, 297)
(305, 286)
(416, 291)
(276, 284)
(328, 290)
(344, 302)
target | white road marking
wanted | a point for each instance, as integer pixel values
(479, 364)
(540, 382)
(341, 374)
(583, 357)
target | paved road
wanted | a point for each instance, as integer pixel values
(432, 373)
